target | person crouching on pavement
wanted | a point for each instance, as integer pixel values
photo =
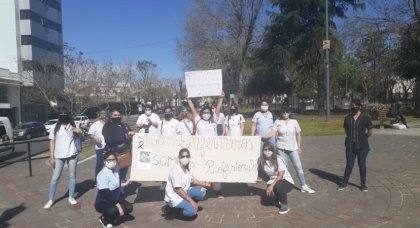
(273, 170)
(109, 201)
(182, 189)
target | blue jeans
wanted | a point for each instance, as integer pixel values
(196, 193)
(294, 157)
(59, 164)
(271, 140)
(351, 155)
(99, 161)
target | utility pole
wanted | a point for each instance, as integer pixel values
(327, 63)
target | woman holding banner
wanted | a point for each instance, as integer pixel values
(205, 123)
(289, 145)
(273, 170)
(183, 190)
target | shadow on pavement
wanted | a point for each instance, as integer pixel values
(326, 175)
(10, 213)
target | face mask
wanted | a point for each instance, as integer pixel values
(116, 120)
(206, 116)
(148, 113)
(110, 164)
(232, 111)
(184, 161)
(268, 153)
(168, 116)
(285, 115)
(264, 108)
(354, 110)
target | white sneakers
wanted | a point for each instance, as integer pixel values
(71, 200)
(306, 188)
(48, 204)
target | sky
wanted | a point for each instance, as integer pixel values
(123, 30)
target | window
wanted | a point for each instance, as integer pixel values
(3, 94)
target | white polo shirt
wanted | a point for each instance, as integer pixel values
(177, 179)
(64, 143)
(185, 127)
(233, 123)
(205, 127)
(108, 179)
(269, 170)
(96, 129)
(286, 134)
(170, 127)
(144, 119)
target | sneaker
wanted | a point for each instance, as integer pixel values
(72, 201)
(284, 209)
(342, 186)
(104, 222)
(306, 188)
(219, 195)
(48, 204)
(364, 188)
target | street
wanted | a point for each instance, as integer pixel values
(21, 151)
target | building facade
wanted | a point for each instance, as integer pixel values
(33, 55)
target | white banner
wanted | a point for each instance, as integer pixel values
(214, 158)
(204, 83)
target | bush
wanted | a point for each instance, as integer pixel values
(374, 108)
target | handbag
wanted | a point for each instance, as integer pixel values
(124, 158)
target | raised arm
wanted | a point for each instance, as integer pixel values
(219, 103)
(191, 105)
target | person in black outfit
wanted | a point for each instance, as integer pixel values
(395, 112)
(358, 128)
(109, 201)
(116, 135)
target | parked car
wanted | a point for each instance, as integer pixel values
(81, 121)
(6, 136)
(49, 124)
(29, 130)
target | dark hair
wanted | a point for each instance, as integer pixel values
(204, 108)
(167, 107)
(60, 122)
(148, 106)
(182, 151)
(272, 159)
(357, 102)
(114, 110)
(265, 100)
(109, 153)
(234, 105)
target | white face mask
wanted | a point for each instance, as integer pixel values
(264, 108)
(184, 161)
(268, 153)
(206, 116)
(110, 164)
(148, 112)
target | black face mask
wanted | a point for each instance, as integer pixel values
(168, 116)
(232, 111)
(116, 120)
(354, 110)
(64, 119)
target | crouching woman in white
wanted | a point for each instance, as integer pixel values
(109, 200)
(182, 189)
(273, 170)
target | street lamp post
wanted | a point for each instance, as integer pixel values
(180, 95)
(327, 62)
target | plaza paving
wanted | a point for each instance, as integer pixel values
(393, 199)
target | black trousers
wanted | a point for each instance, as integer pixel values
(110, 211)
(281, 189)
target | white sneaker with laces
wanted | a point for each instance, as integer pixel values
(306, 188)
(48, 204)
(72, 201)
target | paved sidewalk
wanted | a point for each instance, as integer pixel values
(393, 199)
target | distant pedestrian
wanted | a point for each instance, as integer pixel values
(95, 133)
(234, 123)
(289, 145)
(140, 109)
(64, 138)
(183, 189)
(109, 201)
(273, 170)
(395, 112)
(358, 128)
(148, 122)
(220, 122)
